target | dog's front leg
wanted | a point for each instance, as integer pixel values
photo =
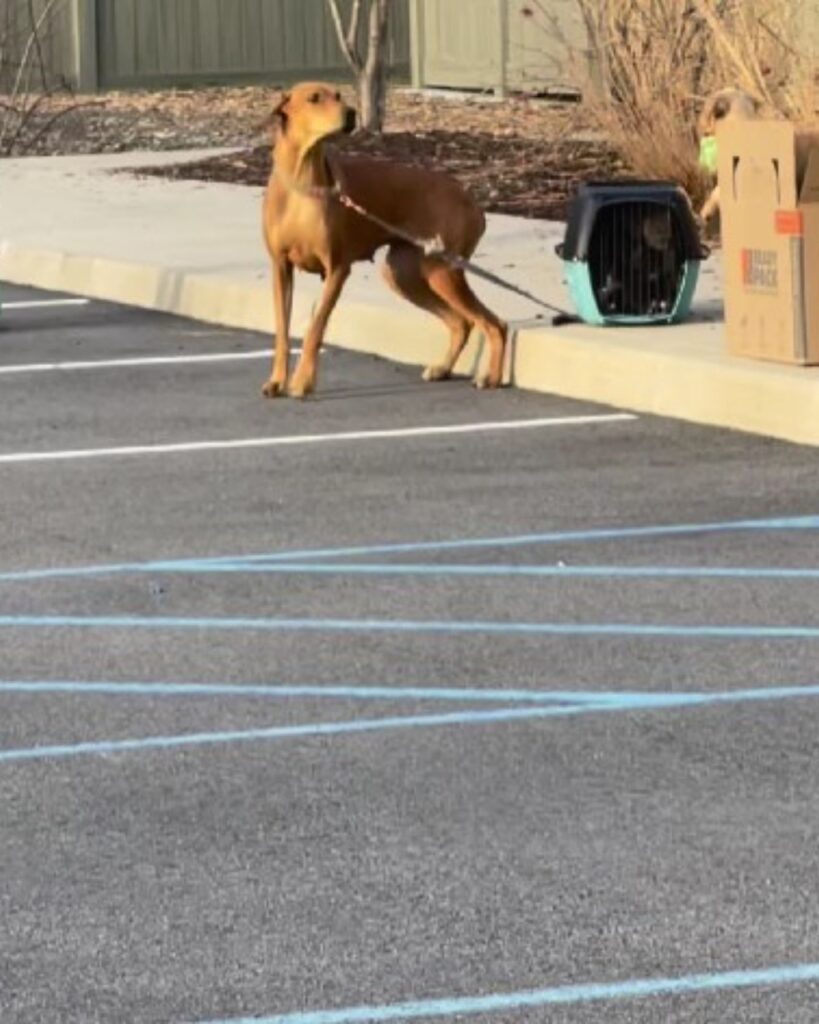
(283, 303)
(304, 376)
(711, 205)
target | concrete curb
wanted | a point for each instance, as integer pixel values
(654, 371)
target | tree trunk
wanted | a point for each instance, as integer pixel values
(370, 73)
(372, 88)
(372, 80)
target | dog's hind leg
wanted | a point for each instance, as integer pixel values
(449, 283)
(402, 272)
(283, 303)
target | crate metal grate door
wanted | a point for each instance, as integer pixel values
(637, 259)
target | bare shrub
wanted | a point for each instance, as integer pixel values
(648, 65)
(768, 49)
(26, 83)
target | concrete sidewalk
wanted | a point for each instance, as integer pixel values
(69, 223)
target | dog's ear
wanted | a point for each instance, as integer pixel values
(277, 118)
(279, 114)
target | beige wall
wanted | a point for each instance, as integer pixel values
(144, 42)
(490, 44)
(541, 52)
(130, 43)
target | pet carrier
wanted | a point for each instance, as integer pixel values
(631, 253)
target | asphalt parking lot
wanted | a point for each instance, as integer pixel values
(406, 702)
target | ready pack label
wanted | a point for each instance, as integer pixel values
(760, 270)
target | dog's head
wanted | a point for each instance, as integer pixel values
(727, 104)
(312, 111)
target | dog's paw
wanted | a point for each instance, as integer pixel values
(273, 388)
(301, 387)
(435, 372)
(486, 382)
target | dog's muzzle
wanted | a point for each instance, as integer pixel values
(349, 121)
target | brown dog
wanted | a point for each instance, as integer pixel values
(306, 226)
(724, 105)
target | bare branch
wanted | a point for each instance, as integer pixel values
(44, 129)
(351, 54)
(352, 30)
(370, 68)
(26, 56)
(35, 32)
(25, 116)
(377, 35)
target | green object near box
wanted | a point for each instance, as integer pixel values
(708, 153)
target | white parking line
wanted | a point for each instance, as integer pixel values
(44, 303)
(304, 439)
(103, 364)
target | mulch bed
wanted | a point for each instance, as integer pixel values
(521, 176)
(523, 155)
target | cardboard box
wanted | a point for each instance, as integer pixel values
(769, 208)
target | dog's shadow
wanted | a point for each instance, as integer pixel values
(406, 389)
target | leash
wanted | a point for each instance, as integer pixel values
(435, 247)
(429, 246)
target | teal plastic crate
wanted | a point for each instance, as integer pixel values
(631, 253)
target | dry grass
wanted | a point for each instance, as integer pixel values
(650, 65)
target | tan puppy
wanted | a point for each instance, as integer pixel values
(306, 226)
(726, 104)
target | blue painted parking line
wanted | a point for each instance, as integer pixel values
(563, 995)
(666, 631)
(285, 732)
(557, 537)
(630, 700)
(623, 572)
(137, 689)
(794, 523)
(558, 704)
